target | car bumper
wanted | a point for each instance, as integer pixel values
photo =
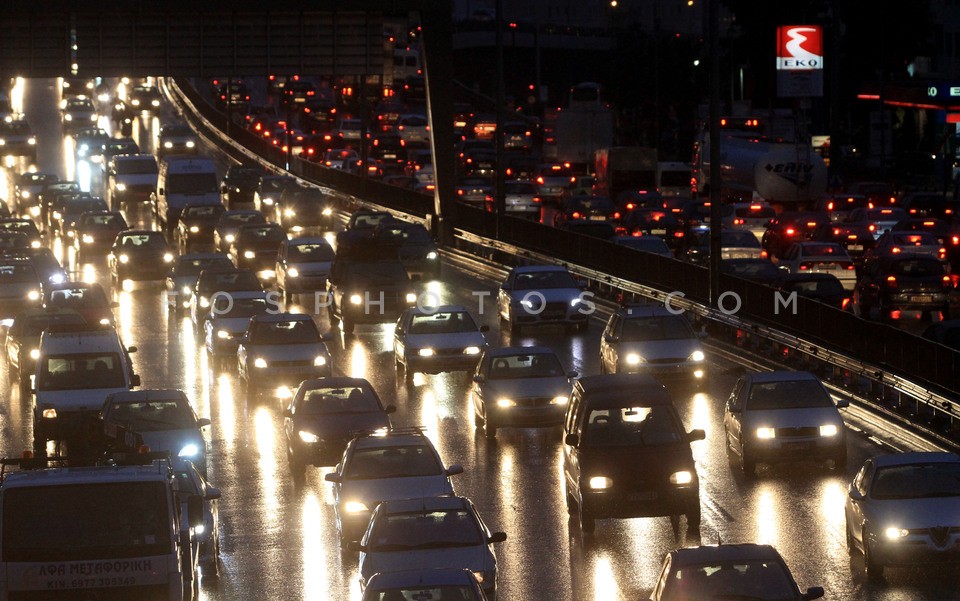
(919, 301)
(325, 453)
(678, 371)
(527, 417)
(134, 193)
(279, 376)
(441, 363)
(305, 283)
(801, 449)
(640, 503)
(915, 550)
(142, 273)
(548, 317)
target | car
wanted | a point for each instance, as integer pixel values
(22, 226)
(256, 247)
(300, 208)
(390, 150)
(911, 242)
(652, 339)
(790, 227)
(176, 139)
(368, 220)
(626, 453)
(88, 143)
(183, 276)
(342, 159)
(438, 532)
(95, 233)
(26, 191)
(552, 179)
(650, 244)
(415, 248)
(878, 220)
(542, 294)
(144, 97)
(436, 339)
(413, 129)
(164, 419)
(820, 257)
(856, 239)
(424, 584)
(87, 299)
(694, 245)
(279, 351)
(645, 221)
(191, 483)
(269, 190)
(839, 206)
(401, 463)
(139, 255)
(904, 510)
(117, 147)
(932, 205)
(17, 138)
(227, 322)
(232, 95)
(903, 282)
(521, 386)
(78, 112)
(762, 271)
(476, 191)
(783, 416)
(71, 212)
(325, 414)
(217, 281)
(196, 224)
(47, 195)
(239, 184)
(20, 287)
(822, 287)
(946, 333)
(22, 340)
(753, 217)
(728, 571)
(131, 178)
(46, 264)
(225, 232)
(591, 208)
(303, 265)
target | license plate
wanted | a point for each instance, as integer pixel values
(855, 247)
(649, 495)
(597, 218)
(389, 156)
(658, 232)
(921, 298)
(796, 446)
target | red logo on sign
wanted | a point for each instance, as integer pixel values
(799, 47)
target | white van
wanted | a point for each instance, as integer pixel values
(406, 63)
(183, 180)
(673, 179)
(77, 367)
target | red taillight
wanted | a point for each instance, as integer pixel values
(895, 314)
(955, 240)
(537, 199)
(843, 305)
(872, 227)
(892, 281)
(540, 180)
(804, 267)
(678, 234)
(895, 250)
(576, 215)
(947, 281)
(789, 231)
(616, 215)
(738, 222)
(764, 254)
(459, 192)
(830, 206)
(850, 267)
(631, 206)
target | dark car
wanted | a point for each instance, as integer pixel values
(790, 227)
(48, 193)
(855, 238)
(626, 452)
(96, 232)
(256, 248)
(183, 276)
(302, 208)
(27, 227)
(238, 185)
(389, 149)
(325, 414)
(762, 271)
(87, 299)
(145, 98)
(590, 208)
(116, 147)
(46, 264)
(652, 222)
(196, 224)
(268, 191)
(176, 139)
(22, 344)
(903, 283)
(71, 212)
(823, 287)
(139, 255)
(57, 206)
(415, 248)
(225, 232)
(26, 192)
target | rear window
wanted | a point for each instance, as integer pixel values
(919, 268)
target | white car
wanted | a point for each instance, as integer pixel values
(820, 257)
(397, 464)
(279, 351)
(542, 294)
(438, 532)
(228, 321)
(437, 339)
(750, 216)
(522, 199)
(783, 415)
(413, 129)
(303, 265)
(654, 340)
(904, 509)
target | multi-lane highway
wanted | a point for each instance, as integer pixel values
(279, 540)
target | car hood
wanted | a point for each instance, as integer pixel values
(792, 418)
(914, 513)
(446, 341)
(477, 558)
(521, 388)
(136, 179)
(371, 492)
(653, 350)
(311, 267)
(18, 290)
(341, 425)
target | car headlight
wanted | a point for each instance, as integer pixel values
(527, 303)
(634, 359)
(121, 187)
(189, 450)
(471, 350)
(249, 254)
(681, 477)
(505, 403)
(49, 413)
(319, 361)
(356, 299)
(186, 290)
(84, 148)
(260, 363)
(559, 400)
(697, 356)
(35, 354)
(68, 117)
(57, 278)
(32, 141)
(411, 297)
(168, 144)
(289, 213)
(34, 211)
(123, 259)
(167, 258)
(194, 229)
(894, 533)
(327, 212)
(432, 255)
(204, 302)
(56, 215)
(267, 200)
(293, 272)
(425, 352)
(354, 507)
(25, 194)
(308, 437)
(829, 430)
(155, 102)
(766, 433)
(599, 482)
(94, 117)
(87, 239)
(105, 321)
(33, 295)
(575, 302)
(223, 334)
(230, 238)
(191, 143)
(198, 529)
(135, 102)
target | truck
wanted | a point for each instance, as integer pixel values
(625, 169)
(183, 180)
(117, 531)
(581, 130)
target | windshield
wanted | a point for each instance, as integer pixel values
(738, 239)
(112, 220)
(227, 306)
(406, 461)
(443, 323)
(242, 218)
(631, 426)
(88, 298)
(120, 147)
(673, 327)
(755, 580)
(408, 235)
(189, 267)
(284, 332)
(192, 183)
(377, 273)
(154, 241)
(17, 274)
(267, 234)
(231, 281)
(86, 521)
(539, 365)
(331, 401)
(203, 212)
(302, 253)
(81, 371)
(540, 280)
(425, 530)
(151, 416)
(428, 593)
(919, 268)
(917, 481)
(792, 394)
(136, 166)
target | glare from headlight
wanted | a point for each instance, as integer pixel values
(634, 359)
(327, 212)
(186, 290)
(471, 350)
(34, 211)
(33, 295)
(682, 477)
(289, 213)
(68, 117)
(894, 533)
(505, 403)
(559, 400)
(194, 229)
(93, 117)
(25, 194)
(260, 363)
(293, 272)
(308, 437)
(121, 187)
(104, 322)
(356, 299)
(319, 361)
(223, 334)
(411, 297)
(829, 430)
(168, 144)
(425, 352)
(697, 356)
(57, 278)
(766, 433)
(600, 482)
(191, 144)
(432, 255)
(123, 259)
(87, 239)
(204, 302)
(267, 200)
(35, 354)
(155, 102)
(167, 258)
(32, 141)
(189, 450)
(249, 254)
(230, 238)
(198, 529)
(354, 507)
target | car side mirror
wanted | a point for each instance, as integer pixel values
(390, 409)
(132, 349)
(134, 380)
(332, 477)
(454, 469)
(195, 511)
(572, 439)
(213, 493)
(203, 422)
(497, 537)
(611, 338)
(355, 547)
(696, 434)
(842, 403)
(484, 329)
(814, 592)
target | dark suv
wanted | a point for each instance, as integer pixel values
(903, 283)
(626, 452)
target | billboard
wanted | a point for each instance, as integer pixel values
(799, 61)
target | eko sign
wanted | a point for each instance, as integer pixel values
(799, 60)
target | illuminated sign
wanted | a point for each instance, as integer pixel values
(799, 47)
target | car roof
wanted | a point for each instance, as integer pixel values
(424, 504)
(420, 578)
(438, 309)
(614, 390)
(307, 240)
(782, 376)
(737, 552)
(334, 382)
(909, 458)
(391, 439)
(519, 350)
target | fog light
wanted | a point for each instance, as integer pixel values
(829, 430)
(600, 482)
(893, 533)
(766, 433)
(682, 477)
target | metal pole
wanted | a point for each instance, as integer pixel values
(713, 19)
(500, 201)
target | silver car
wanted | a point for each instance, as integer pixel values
(437, 339)
(543, 294)
(651, 339)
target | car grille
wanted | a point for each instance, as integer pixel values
(666, 361)
(798, 432)
(536, 401)
(940, 535)
(299, 363)
(555, 310)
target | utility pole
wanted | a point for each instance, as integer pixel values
(500, 202)
(713, 19)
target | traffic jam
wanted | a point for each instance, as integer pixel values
(227, 382)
